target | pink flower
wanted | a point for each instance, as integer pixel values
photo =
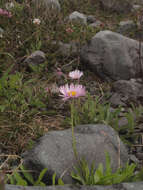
(69, 30)
(47, 89)
(59, 72)
(75, 74)
(5, 13)
(72, 91)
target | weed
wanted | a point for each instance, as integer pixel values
(24, 178)
(18, 97)
(92, 176)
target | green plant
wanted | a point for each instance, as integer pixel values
(127, 131)
(92, 176)
(85, 175)
(137, 111)
(92, 111)
(18, 97)
(17, 9)
(17, 179)
(37, 69)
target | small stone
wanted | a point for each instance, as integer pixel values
(36, 58)
(116, 101)
(122, 122)
(130, 90)
(139, 156)
(136, 8)
(91, 19)
(78, 18)
(134, 159)
(120, 6)
(126, 26)
(96, 24)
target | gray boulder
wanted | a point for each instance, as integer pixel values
(54, 150)
(120, 6)
(45, 6)
(116, 100)
(127, 92)
(127, 27)
(139, 2)
(111, 56)
(131, 90)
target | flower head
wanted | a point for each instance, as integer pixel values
(9, 5)
(59, 72)
(75, 74)
(69, 30)
(5, 13)
(72, 91)
(36, 21)
(47, 89)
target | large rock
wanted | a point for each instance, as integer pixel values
(111, 55)
(54, 150)
(120, 6)
(45, 6)
(140, 2)
(131, 91)
(123, 186)
(127, 27)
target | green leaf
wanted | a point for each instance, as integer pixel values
(108, 164)
(42, 184)
(99, 170)
(60, 181)
(2, 108)
(27, 175)
(42, 173)
(19, 179)
(96, 178)
(54, 179)
(11, 178)
(78, 178)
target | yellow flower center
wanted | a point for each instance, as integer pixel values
(72, 93)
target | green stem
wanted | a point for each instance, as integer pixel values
(74, 140)
(73, 136)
